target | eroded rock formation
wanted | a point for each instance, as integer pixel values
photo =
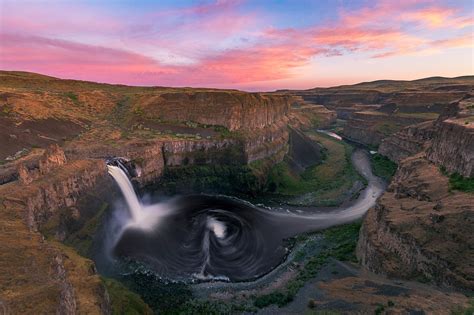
(420, 229)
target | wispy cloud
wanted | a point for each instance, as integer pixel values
(217, 43)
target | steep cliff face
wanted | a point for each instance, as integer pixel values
(372, 127)
(233, 110)
(408, 141)
(54, 278)
(270, 142)
(453, 144)
(306, 116)
(453, 147)
(448, 141)
(419, 229)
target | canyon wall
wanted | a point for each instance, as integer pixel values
(408, 141)
(453, 147)
(232, 109)
(372, 127)
(419, 229)
(448, 141)
(453, 143)
(55, 279)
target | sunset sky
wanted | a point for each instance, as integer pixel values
(249, 45)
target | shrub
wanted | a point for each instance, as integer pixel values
(458, 182)
(383, 167)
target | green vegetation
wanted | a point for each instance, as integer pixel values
(6, 110)
(123, 301)
(341, 244)
(72, 96)
(465, 310)
(323, 184)
(458, 182)
(388, 128)
(380, 309)
(119, 115)
(383, 167)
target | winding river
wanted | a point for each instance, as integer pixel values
(210, 237)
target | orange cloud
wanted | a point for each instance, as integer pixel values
(220, 45)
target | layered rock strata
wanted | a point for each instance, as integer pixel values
(419, 229)
(408, 141)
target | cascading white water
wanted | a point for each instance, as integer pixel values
(217, 237)
(128, 192)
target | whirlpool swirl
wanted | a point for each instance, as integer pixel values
(207, 237)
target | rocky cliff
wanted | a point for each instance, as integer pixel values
(377, 110)
(448, 141)
(233, 110)
(40, 276)
(306, 116)
(408, 141)
(372, 127)
(420, 229)
(453, 143)
(49, 192)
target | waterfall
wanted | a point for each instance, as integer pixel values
(128, 192)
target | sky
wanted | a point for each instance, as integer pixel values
(249, 45)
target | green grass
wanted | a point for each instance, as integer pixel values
(388, 128)
(383, 167)
(326, 182)
(123, 301)
(72, 96)
(458, 182)
(341, 241)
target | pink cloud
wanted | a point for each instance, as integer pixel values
(210, 37)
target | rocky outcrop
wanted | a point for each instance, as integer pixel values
(346, 112)
(419, 229)
(408, 141)
(453, 147)
(372, 127)
(305, 116)
(303, 151)
(270, 142)
(232, 109)
(53, 157)
(190, 152)
(40, 276)
(453, 144)
(448, 141)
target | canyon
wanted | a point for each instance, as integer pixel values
(56, 136)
